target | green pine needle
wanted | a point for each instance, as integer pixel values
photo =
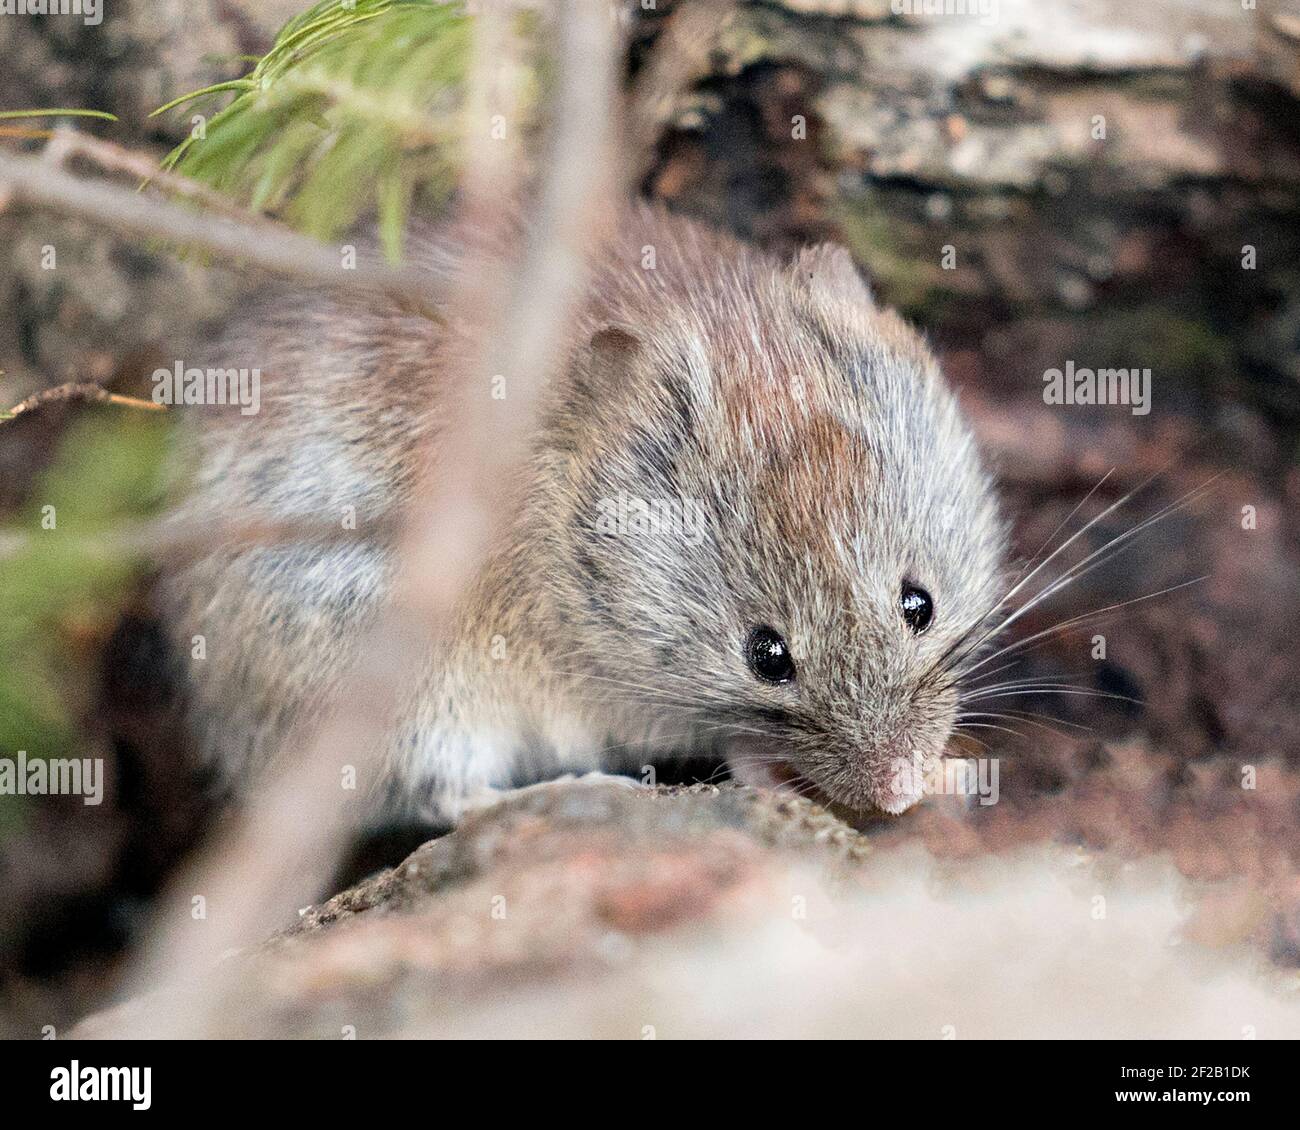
(354, 110)
(6, 115)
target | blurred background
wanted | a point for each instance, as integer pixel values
(1110, 183)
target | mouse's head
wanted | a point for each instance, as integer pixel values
(782, 532)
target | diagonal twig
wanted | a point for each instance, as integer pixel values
(282, 849)
(76, 390)
(251, 240)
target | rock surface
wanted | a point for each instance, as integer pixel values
(595, 909)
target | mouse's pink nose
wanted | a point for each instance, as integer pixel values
(900, 786)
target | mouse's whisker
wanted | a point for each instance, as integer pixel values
(1105, 553)
(1070, 691)
(1097, 558)
(767, 758)
(715, 774)
(806, 789)
(982, 682)
(1018, 684)
(1052, 536)
(1052, 720)
(1027, 717)
(1074, 621)
(646, 740)
(961, 735)
(1096, 519)
(998, 670)
(1024, 578)
(1091, 620)
(991, 726)
(1011, 591)
(1042, 681)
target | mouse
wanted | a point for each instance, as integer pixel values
(754, 525)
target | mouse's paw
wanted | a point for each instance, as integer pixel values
(490, 797)
(600, 777)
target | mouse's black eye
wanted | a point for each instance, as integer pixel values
(918, 608)
(769, 656)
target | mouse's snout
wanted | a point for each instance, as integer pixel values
(862, 769)
(887, 763)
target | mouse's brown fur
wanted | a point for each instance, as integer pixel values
(812, 432)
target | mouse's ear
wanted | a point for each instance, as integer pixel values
(614, 345)
(829, 268)
(605, 361)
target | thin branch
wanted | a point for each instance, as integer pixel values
(23, 134)
(31, 181)
(179, 541)
(77, 390)
(65, 144)
(283, 847)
